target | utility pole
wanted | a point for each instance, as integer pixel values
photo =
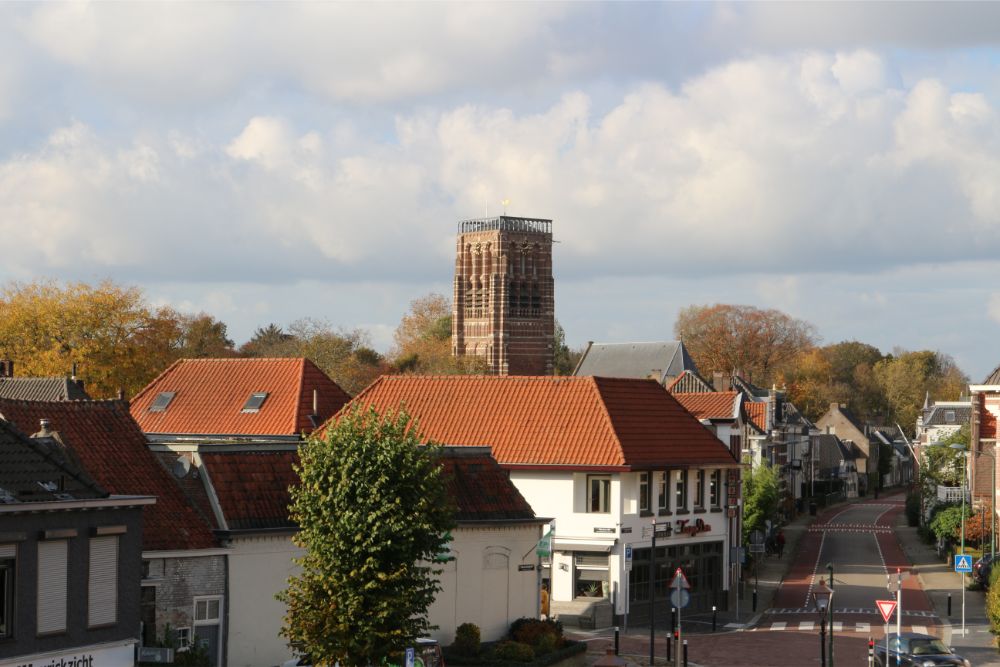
(829, 566)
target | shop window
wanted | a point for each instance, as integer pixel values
(599, 493)
(644, 492)
(8, 554)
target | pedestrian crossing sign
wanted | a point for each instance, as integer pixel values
(963, 563)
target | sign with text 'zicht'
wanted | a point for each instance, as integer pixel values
(963, 563)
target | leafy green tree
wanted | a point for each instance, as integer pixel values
(761, 498)
(941, 465)
(906, 378)
(373, 515)
(565, 357)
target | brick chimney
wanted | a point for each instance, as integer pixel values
(7, 368)
(720, 381)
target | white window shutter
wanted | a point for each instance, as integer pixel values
(102, 584)
(52, 574)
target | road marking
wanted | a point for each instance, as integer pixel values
(880, 556)
(921, 629)
(778, 626)
(806, 625)
(812, 580)
(863, 627)
(838, 626)
(875, 523)
(735, 625)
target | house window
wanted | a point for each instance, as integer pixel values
(681, 501)
(208, 627)
(102, 584)
(254, 402)
(52, 570)
(161, 401)
(8, 554)
(699, 489)
(598, 493)
(183, 639)
(662, 494)
(714, 488)
(207, 610)
(949, 416)
(644, 492)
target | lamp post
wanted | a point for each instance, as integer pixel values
(829, 567)
(823, 600)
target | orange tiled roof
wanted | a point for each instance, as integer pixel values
(711, 404)
(112, 450)
(567, 421)
(252, 486)
(757, 412)
(210, 394)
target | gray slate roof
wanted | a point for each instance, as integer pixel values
(994, 377)
(42, 389)
(30, 471)
(938, 415)
(659, 360)
(832, 451)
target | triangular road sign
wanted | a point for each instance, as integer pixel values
(679, 580)
(886, 607)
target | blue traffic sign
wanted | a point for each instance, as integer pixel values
(680, 598)
(963, 563)
(628, 552)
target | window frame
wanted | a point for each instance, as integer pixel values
(715, 489)
(43, 579)
(699, 489)
(663, 491)
(93, 543)
(644, 491)
(681, 491)
(8, 587)
(604, 499)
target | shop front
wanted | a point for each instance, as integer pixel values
(702, 564)
(116, 654)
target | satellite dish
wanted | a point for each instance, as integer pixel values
(181, 467)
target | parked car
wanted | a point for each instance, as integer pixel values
(981, 570)
(912, 649)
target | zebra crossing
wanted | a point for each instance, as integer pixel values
(846, 610)
(838, 626)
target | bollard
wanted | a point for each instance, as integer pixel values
(673, 618)
(871, 652)
(755, 600)
(949, 605)
(685, 653)
(714, 617)
(616, 640)
(668, 649)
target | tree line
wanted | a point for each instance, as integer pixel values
(768, 347)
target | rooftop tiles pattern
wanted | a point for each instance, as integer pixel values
(31, 472)
(482, 490)
(711, 405)
(42, 389)
(210, 395)
(757, 413)
(252, 486)
(567, 421)
(107, 442)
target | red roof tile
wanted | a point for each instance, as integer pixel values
(482, 490)
(571, 421)
(757, 412)
(111, 448)
(711, 405)
(252, 486)
(210, 394)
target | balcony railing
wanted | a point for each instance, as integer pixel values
(952, 494)
(506, 223)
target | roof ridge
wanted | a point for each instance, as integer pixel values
(149, 385)
(607, 415)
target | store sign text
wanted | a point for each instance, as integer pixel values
(683, 527)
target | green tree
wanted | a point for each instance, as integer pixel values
(423, 340)
(373, 515)
(761, 497)
(941, 465)
(906, 378)
(565, 357)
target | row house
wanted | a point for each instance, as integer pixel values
(985, 408)
(183, 572)
(70, 559)
(607, 459)
(229, 430)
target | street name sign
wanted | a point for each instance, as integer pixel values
(963, 563)
(886, 607)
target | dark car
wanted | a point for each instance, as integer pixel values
(981, 570)
(911, 649)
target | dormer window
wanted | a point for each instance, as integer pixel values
(949, 416)
(161, 401)
(254, 402)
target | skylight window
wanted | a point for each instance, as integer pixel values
(949, 416)
(254, 402)
(162, 400)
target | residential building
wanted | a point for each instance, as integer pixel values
(183, 564)
(504, 299)
(606, 458)
(39, 388)
(662, 361)
(940, 419)
(985, 400)
(835, 461)
(69, 560)
(840, 421)
(230, 430)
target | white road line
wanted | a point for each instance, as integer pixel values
(806, 625)
(838, 626)
(922, 629)
(875, 522)
(863, 627)
(812, 580)
(880, 556)
(776, 626)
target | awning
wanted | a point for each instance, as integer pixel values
(584, 544)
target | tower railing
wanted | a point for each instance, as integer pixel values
(506, 223)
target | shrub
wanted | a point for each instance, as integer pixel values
(913, 509)
(993, 600)
(467, 639)
(533, 632)
(514, 651)
(546, 644)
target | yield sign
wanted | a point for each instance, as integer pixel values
(680, 581)
(886, 607)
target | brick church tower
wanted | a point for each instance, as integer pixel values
(504, 306)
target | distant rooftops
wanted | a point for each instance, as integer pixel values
(39, 388)
(506, 223)
(661, 361)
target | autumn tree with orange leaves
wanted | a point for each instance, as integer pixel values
(757, 343)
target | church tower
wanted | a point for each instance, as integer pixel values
(504, 305)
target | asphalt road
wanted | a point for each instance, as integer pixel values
(859, 572)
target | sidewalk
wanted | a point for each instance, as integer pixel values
(938, 579)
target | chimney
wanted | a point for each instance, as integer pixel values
(121, 393)
(719, 381)
(44, 431)
(7, 368)
(73, 372)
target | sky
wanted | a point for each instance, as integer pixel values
(267, 162)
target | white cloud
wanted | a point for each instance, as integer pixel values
(993, 307)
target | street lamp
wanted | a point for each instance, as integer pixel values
(823, 599)
(829, 567)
